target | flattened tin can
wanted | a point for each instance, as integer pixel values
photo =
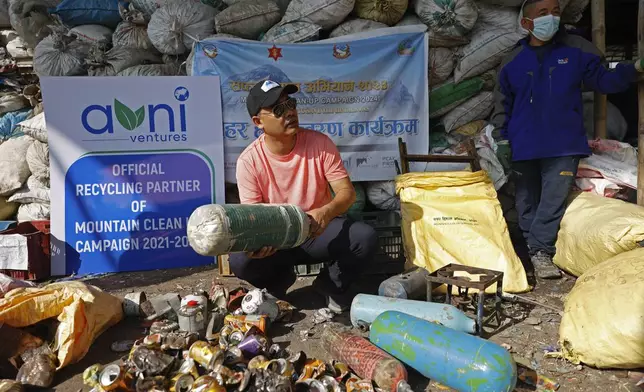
(181, 383)
(208, 356)
(207, 384)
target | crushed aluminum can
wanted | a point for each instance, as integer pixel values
(215, 324)
(276, 351)
(341, 370)
(151, 362)
(132, 304)
(10, 386)
(310, 385)
(233, 356)
(323, 315)
(228, 377)
(189, 366)
(244, 323)
(153, 340)
(286, 311)
(210, 357)
(354, 384)
(259, 362)
(91, 375)
(235, 298)
(267, 381)
(219, 296)
(298, 360)
(179, 340)
(114, 377)
(253, 345)
(331, 384)
(281, 366)
(313, 368)
(182, 383)
(207, 384)
(151, 384)
(163, 327)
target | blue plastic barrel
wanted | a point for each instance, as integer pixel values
(365, 308)
(460, 361)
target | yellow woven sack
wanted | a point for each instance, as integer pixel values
(455, 217)
(84, 313)
(596, 228)
(603, 322)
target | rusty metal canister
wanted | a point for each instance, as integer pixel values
(208, 356)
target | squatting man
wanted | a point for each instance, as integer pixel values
(539, 113)
(289, 164)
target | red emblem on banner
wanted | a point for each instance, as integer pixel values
(274, 53)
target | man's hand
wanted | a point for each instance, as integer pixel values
(504, 154)
(262, 253)
(320, 218)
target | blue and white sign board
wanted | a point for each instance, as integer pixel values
(364, 90)
(131, 159)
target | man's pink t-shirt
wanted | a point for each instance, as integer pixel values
(301, 177)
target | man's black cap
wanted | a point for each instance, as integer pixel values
(265, 94)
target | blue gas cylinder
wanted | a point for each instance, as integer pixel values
(460, 361)
(365, 308)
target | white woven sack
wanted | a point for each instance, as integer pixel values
(485, 51)
(248, 19)
(450, 18)
(477, 108)
(34, 191)
(93, 34)
(497, 16)
(60, 55)
(117, 59)
(435, 40)
(151, 70)
(35, 127)
(441, 65)
(388, 12)
(14, 169)
(10, 102)
(325, 13)
(292, 33)
(382, 194)
(33, 211)
(174, 27)
(353, 26)
(38, 161)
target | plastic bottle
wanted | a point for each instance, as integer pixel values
(408, 285)
(365, 308)
(455, 359)
(366, 360)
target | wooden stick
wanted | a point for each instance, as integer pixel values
(598, 12)
(640, 98)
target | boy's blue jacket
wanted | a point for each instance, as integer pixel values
(539, 107)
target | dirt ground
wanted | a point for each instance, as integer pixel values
(533, 330)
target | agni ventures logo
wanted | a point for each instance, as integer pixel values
(163, 123)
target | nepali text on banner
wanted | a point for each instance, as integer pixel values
(363, 90)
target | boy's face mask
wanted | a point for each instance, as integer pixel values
(545, 27)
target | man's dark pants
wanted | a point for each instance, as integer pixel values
(346, 245)
(542, 188)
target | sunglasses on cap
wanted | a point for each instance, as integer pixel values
(283, 107)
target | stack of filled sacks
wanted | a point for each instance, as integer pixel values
(24, 173)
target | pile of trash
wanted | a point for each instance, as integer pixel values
(217, 342)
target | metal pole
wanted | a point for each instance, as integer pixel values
(598, 12)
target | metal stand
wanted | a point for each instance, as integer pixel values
(448, 275)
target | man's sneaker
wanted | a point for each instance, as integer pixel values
(338, 301)
(544, 268)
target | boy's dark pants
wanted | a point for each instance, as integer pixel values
(542, 188)
(345, 244)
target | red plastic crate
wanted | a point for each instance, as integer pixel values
(39, 256)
